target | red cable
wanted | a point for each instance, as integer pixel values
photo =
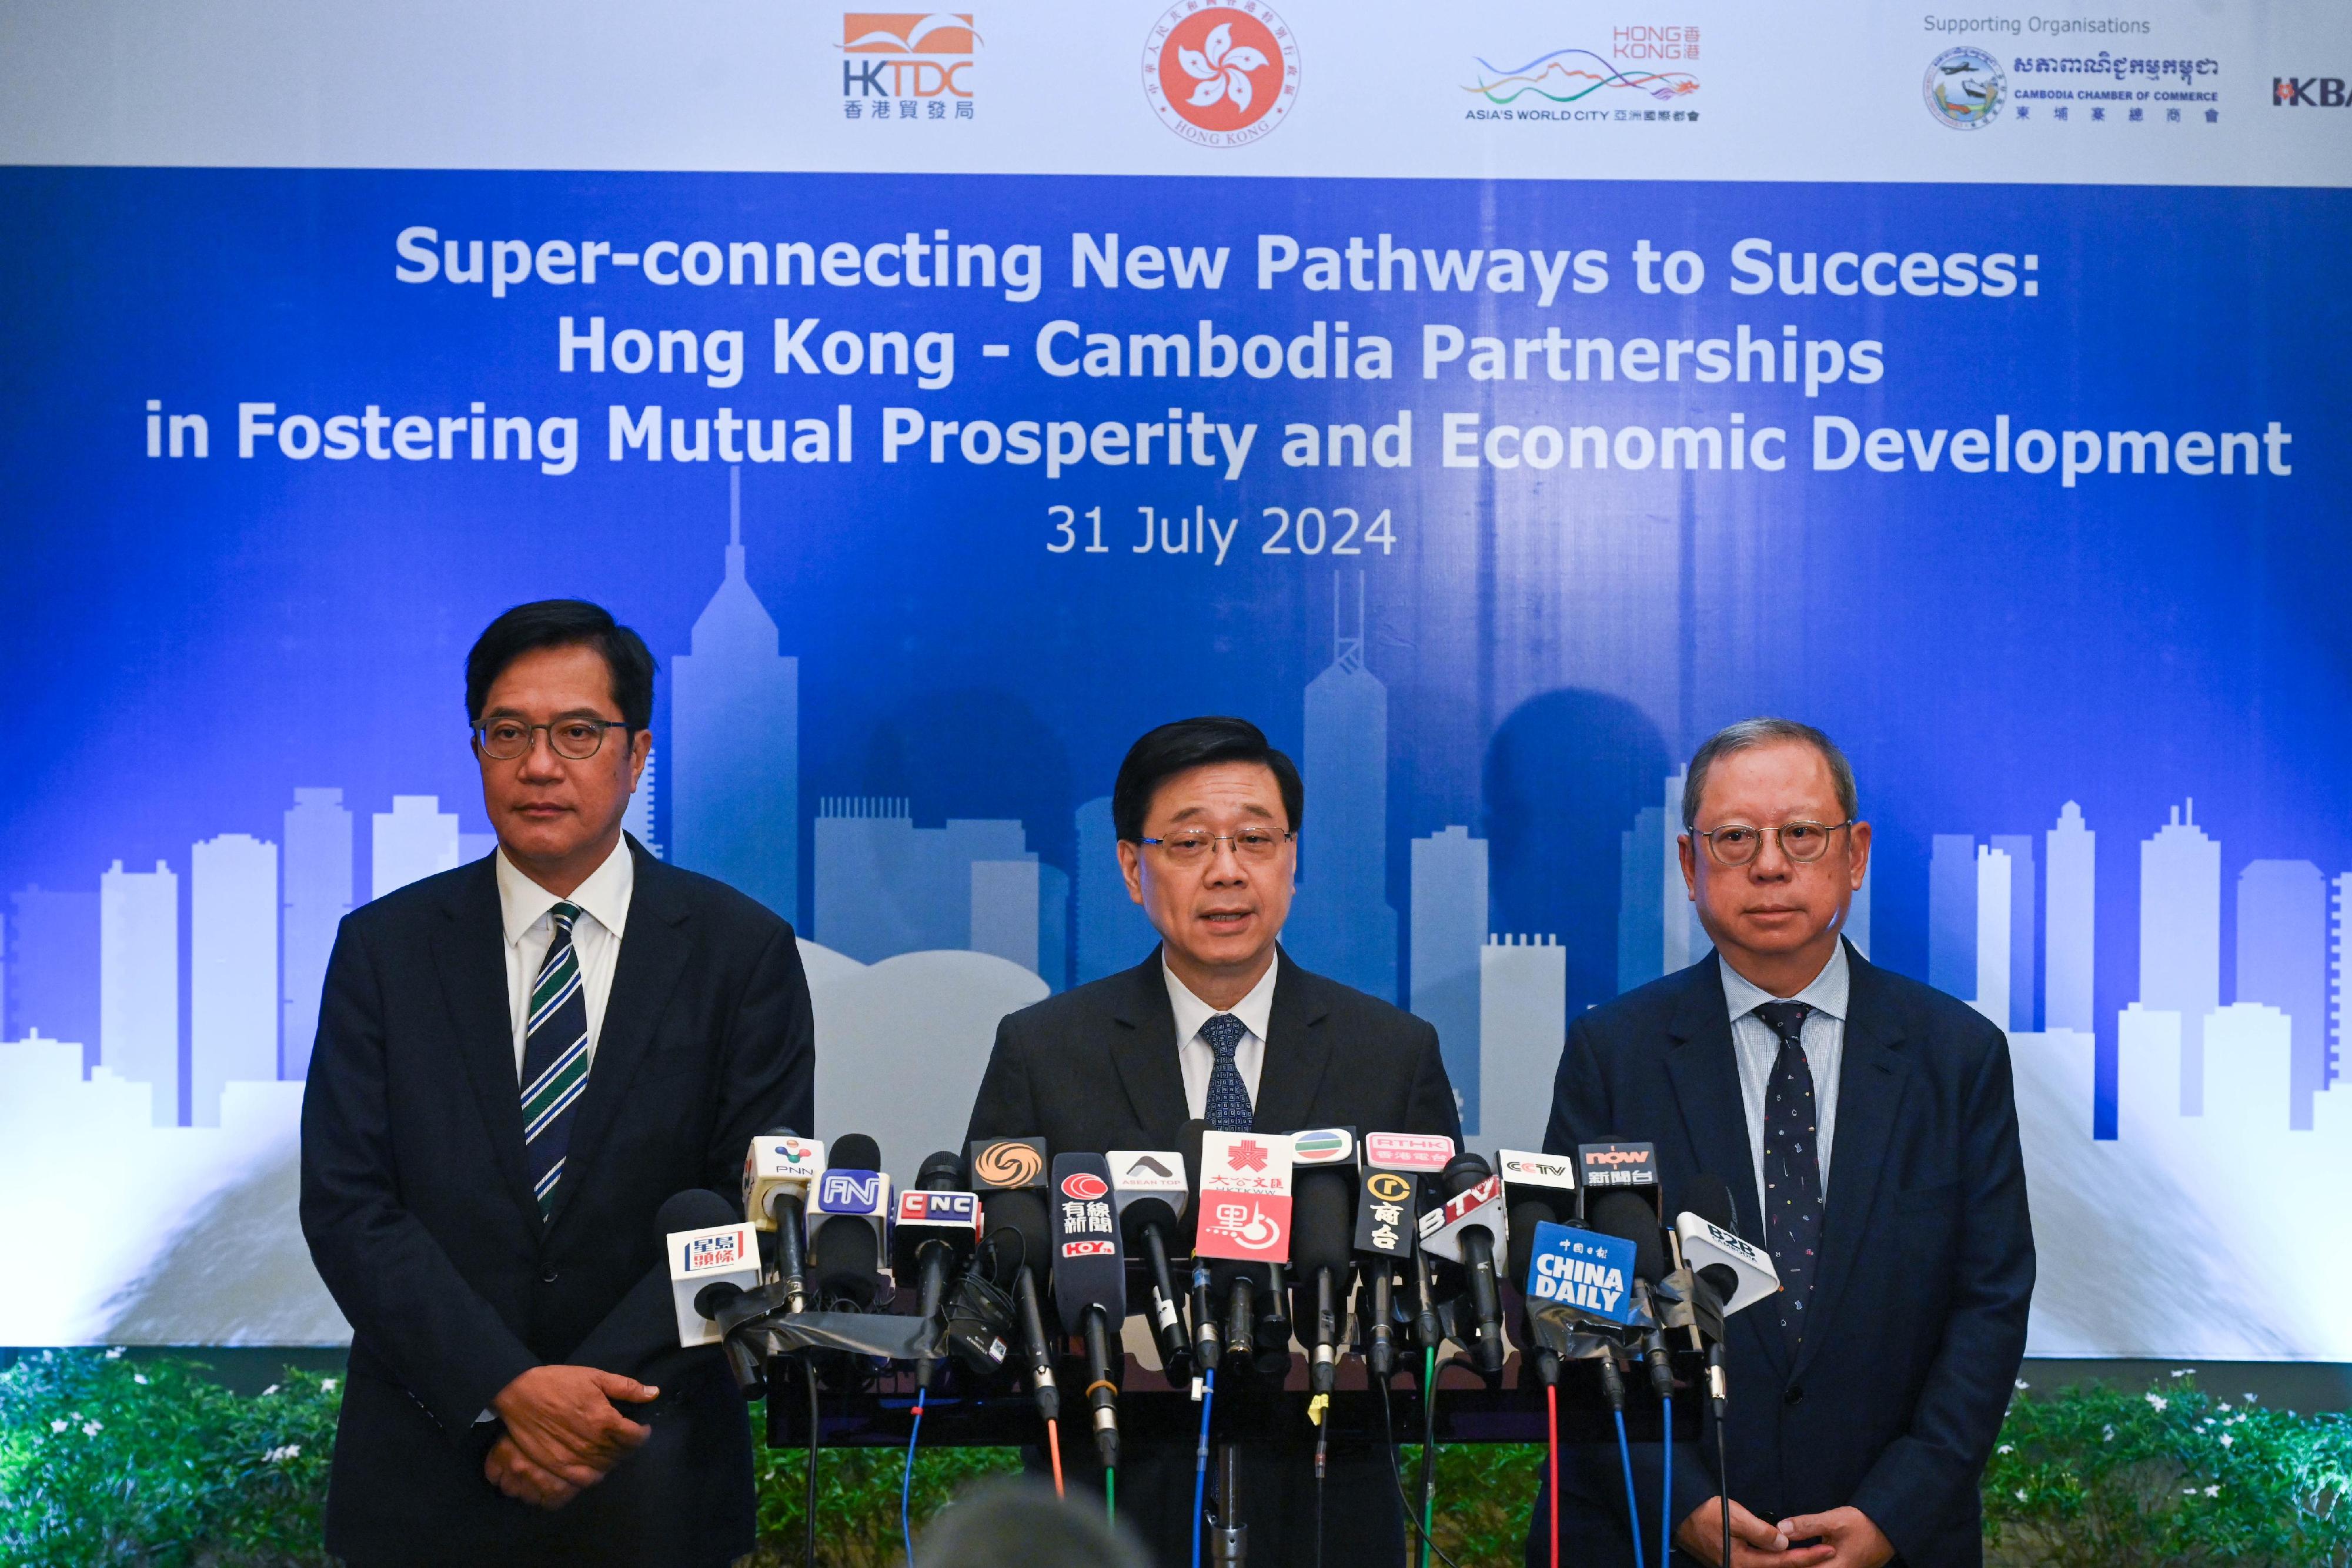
(1053, 1445)
(1551, 1427)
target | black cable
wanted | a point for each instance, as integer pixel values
(1396, 1474)
(808, 1374)
(1722, 1463)
(1428, 1449)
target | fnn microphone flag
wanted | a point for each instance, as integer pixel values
(1584, 1270)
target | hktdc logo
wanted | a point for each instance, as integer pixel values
(2307, 92)
(1220, 76)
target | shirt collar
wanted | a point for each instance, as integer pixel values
(604, 897)
(1254, 1010)
(1826, 994)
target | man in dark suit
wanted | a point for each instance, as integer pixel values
(517, 1062)
(1865, 1126)
(1219, 1024)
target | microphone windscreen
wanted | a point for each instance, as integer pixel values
(854, 1152)
(1187, 1142)
(1323, 1222)
(1526, 1215)
(695, 1209)
(1463, 1172)
(779, 1131)
(1018, 1233)
(1709, 1198)
(1625, 1213)
(1720, 1277)
(943, 1172)
(846, 1260)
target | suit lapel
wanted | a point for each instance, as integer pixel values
(1705, 1070)
(1144, 1049)
(654, 951)
(1870, 1095)
(470, 953)
(1297, 1050)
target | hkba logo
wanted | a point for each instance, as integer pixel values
(1220, 75)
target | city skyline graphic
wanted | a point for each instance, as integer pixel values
(968, 918)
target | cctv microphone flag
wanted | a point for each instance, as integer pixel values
(1480, 1207)
(1550, 1179)
(718, 1254)
(1244, 1198)
(1583, 1270)
(1600, 1167)
(1006, 1165)
(1089, 1269)
(1387, 1204)
(774, 1162)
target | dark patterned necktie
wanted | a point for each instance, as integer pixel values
(1793, 1167)
(554, 1059)
(1229, 1100)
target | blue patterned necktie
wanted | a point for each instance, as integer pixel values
(1229, 1100)
(554, 1059)
(1793, 1167)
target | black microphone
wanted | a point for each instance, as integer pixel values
(937, 1231)
(1090, 1281)
(778, 1169)
(697, 1209)
(851, 1220)
(1472, 1217)
(714, 1262)
(1709, 1198)
(1322, 1248)
(1538, 1190)
(1208, 1337)
(1387, 1209)
(1153, 1198)
(1625, 1213)
(1010, 1176)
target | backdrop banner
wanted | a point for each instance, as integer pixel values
(1489, 443)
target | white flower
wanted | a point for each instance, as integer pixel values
(2248, 1398)
(139, 1378)
(2227, 1440)
(268, 1391)
(2157, 1401)
(92, 1429)
(2212, 1491)
(326, 1385)
(58, 1426)
(2020, 1494)
(2225, 1407)
(2182, 1371)
(114, 1353)
(2110, 1432)
(2006, 1448)
(1222, 70)
(2023, 1384)
(279, 1456)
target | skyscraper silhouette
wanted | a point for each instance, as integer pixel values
(1522, 996)
(139, 982)
(886, 886)
(317, 895)
(734, 738)
(2283, 961)
(1952, 914)
(233, 995)
(1449, 933)
(638, 820)
(2074, 872)
(1112, 933)
(1341, 924)
(1990, 994)
(1640, 893)
(2180, 938)
(2339, 974)
(53, 968)
(2023, 947)
(415, 840)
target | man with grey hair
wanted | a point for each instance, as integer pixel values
(1866, 1397)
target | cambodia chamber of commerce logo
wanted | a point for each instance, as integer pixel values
(1964, 88)
(907, 65)
(1220, 75)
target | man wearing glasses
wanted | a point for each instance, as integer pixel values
(1218, 1023)
(1865, 1126)
(518, 1062)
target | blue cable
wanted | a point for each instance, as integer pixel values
(1200, 1461)
(1665, 1491)
(906, 1485)
(1633, 1505)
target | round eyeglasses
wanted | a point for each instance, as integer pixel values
(575, 740)
(1194, 847)
(1736, 844)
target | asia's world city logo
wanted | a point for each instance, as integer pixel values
(1964, 88)
(1579, 84)
(1220, 76)
(907, 65)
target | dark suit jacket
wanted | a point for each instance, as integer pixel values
(1095, 1068)
(419, 1213)
(1917, 1323)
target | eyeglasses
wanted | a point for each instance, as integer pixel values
(1196, 846)
(1736, 844)
(575, 740)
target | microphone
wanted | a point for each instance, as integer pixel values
(936, 1231)
(1626, 1214)
(714, 1262)
(849, 1230)
(1208, 1337)
(1537, 1190)
(1010, 1173)
(1387, 1203)
(1149, 1187)
(1423, 1155)
(778, 1167)
(1323, 1240)
(1467, 1230)
(1245, 1218)
(1738, 1273)
(1090, 1281)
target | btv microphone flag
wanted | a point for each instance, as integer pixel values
(1478, 1206)
(1244, 1198)
(1584, 1270)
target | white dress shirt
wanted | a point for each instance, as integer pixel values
(1758, 1048)
(604, 904)
(1193, 1054)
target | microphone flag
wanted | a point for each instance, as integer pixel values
(1584, 1270)
(1244, 1198)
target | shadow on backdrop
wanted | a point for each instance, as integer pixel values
(977, 753)
(1565, 776)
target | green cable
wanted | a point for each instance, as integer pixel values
(1429, 1493)
(1110, 1496)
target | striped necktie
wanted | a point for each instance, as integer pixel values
(554, 1059)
